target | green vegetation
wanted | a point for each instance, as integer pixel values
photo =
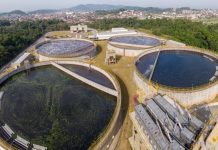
(15, 38)
(192, 33)
(208, 21)
(58, 138)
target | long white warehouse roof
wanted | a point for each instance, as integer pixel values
(7, 129)
(22, 141)
(39, 147)
(119, 30)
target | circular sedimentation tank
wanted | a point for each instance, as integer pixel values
(180, 69)
(48, 107)
(132, 45)
(65, 48)
(188, 75)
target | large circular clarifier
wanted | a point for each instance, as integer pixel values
(50, 108)
(178, 68)
(65, 48)
(136, 41)
(131, 45)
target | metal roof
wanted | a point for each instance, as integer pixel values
(174, 112)
(39, 147)
(168, 125)
(22, 141)
(151, 128)
(184, 135)
(175, 146)
(8, 130)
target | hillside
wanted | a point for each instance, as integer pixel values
(43, 11)
(105, 7)
(15, 12)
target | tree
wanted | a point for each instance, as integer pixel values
(14, 38)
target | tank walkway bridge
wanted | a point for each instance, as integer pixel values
(85, 80)
(155, 63)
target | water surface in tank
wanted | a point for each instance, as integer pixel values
(50, 108)
(178, 68)
(136, 40)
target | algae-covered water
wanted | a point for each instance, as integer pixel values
(50, 108)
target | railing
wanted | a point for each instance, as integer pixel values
(89, 82)
(155, 63)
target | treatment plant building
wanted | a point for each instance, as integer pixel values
(162, 124)
(114, 32)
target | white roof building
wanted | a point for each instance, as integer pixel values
(114, 32)
(38, 147)
(160, 124)
(119, 30)
(8, 130)
(22, 142)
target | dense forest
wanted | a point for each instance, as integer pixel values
(16, 37)
(191, 33)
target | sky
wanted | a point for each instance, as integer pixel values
(29, 5)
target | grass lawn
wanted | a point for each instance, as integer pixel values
(59, 34)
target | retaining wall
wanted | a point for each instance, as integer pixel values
(125, 52)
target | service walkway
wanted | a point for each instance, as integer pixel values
(89, 82)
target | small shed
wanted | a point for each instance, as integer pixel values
(79, 28)
(111, 57)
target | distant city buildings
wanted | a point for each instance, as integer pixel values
(76, 17)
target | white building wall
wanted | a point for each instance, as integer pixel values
(125, 52)
(138, 140)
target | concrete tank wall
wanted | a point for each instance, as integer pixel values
(131, 50)
(185, 98)
(126, 52)
(42, 58)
